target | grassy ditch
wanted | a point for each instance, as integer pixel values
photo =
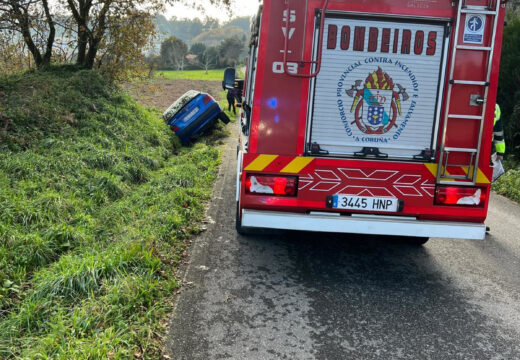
(96, 198)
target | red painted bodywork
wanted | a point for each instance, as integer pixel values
(280, 105)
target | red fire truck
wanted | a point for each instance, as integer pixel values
(370, 117)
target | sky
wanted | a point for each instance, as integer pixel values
(238, 8)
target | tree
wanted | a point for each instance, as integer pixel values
(173, 53)
(216, 36)
(230, 50)
(243, 22)
(152, 62)
(208, 59)
(513, 8)
(93, 17)
(121, 53)
(509, 85)
(12, 54)
(210, 23)
(95, 25)
(197, 49)
(184, 29)
(33, 20)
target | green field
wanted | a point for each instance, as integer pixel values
(212, 75)
(97, 198)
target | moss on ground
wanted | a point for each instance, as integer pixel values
(96, 200)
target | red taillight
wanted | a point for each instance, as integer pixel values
(174, 128)
(206, 99)
(453, 195)
(270, 184)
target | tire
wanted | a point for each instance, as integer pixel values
(208, 126)
(223, 117)
(244, 231)
(415, 241)
(238, 224)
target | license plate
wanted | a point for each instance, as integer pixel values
(191, 114)
(386, 204)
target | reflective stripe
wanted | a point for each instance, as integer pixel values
(500, 147)
(481, 177)
(433, 169)
(498, 132)
(261, 162)
(297, 165)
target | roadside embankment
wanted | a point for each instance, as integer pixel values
(96, 200)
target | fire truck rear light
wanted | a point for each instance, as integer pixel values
(453, 195)
(270, 184)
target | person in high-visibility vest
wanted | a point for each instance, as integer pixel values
(498, 134)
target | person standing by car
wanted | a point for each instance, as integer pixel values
(231, 96)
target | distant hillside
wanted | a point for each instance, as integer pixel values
(243, 22)
(208, 31)
(181, 28)
(214, 37)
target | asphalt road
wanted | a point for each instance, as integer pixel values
(322, 296)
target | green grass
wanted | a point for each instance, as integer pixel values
(96, 199)
(509, 183)
(212, 75)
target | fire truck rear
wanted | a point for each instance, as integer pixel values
(370, 117)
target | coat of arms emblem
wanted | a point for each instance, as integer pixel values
(376, 105)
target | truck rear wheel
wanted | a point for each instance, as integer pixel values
(223, 117)
(416, 241)
(238, 224)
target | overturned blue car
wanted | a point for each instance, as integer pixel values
(191, 113)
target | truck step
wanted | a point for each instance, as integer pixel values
(470, 82)
(482, 10)
(475, 48)
(448, 182)
(455, 177)
(456, 149)
(469, 117)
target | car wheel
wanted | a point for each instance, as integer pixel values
(223, 117)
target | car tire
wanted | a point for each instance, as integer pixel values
(223, 117)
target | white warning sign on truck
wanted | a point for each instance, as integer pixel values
(474, 29)
(378, 87)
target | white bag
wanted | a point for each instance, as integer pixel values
(498, 168)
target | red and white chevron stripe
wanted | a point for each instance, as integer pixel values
(375, 183)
